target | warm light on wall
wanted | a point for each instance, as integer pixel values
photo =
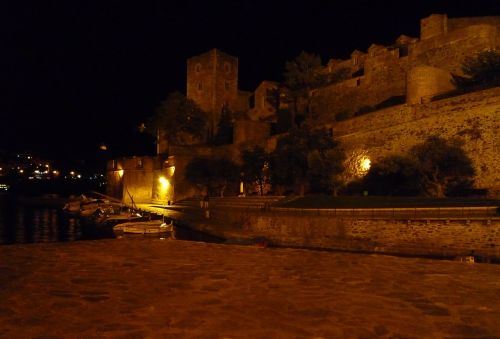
(164, 182)
(120, 173)
(171, 170)
(365, 164)
(357, 165)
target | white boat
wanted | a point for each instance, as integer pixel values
(145, 227)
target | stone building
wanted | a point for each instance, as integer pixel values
(404, 77)
(212, 82)
(410, 70)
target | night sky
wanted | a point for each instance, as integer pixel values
(75, 74)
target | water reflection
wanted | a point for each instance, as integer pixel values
(30, 224)
(20, 223)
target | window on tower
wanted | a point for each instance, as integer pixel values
(200, 86)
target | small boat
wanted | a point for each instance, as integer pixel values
(84, 206)
(145, 227)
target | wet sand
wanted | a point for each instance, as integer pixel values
(152, 288)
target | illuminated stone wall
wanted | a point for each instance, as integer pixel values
(137, 179)
(262, 108)
(448, 50)
(424, 82)
(444, 44)
(212, 82)
(443, 237)
(474, 118)
(251, 132)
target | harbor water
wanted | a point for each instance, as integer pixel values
(24, 222)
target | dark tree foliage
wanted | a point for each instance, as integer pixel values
(180, 119)
(289, 160)
(302, 74)
(273, 97)
(224, 134)
(197, 172)
(212, 174)
(325, 162)
(394, 175)
(482, 70)
(255, 161)
(308, 156)
(442, 165)
(283, 121)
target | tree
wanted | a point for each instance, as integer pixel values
(308, 156)
(481, 70)
(302, 74)
(325, 162)
(255, 161)
(442, 164)
(223, 172)
(179, 119)
(197, 173)
(212, 174)
(289, 160)
(224, 134)
(393, 175)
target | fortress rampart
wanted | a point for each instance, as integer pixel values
(473, 118)
(386, 71)
(407, 74)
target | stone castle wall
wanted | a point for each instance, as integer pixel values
(449, 50)
(212, 82)
(459, 23)
(438, 237)
(474, 118)
(444, 44)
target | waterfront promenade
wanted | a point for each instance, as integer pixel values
(150, 288)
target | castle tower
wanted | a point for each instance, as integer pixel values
(212, 82)
(433, 25)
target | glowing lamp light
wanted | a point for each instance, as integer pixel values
(120, 173)
(164, 182)
(365, 164)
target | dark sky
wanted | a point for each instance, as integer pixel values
(77, 73)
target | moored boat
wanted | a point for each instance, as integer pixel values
(145, 227)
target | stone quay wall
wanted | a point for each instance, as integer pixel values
(421, 237)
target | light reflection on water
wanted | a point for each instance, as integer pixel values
(21, 223)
